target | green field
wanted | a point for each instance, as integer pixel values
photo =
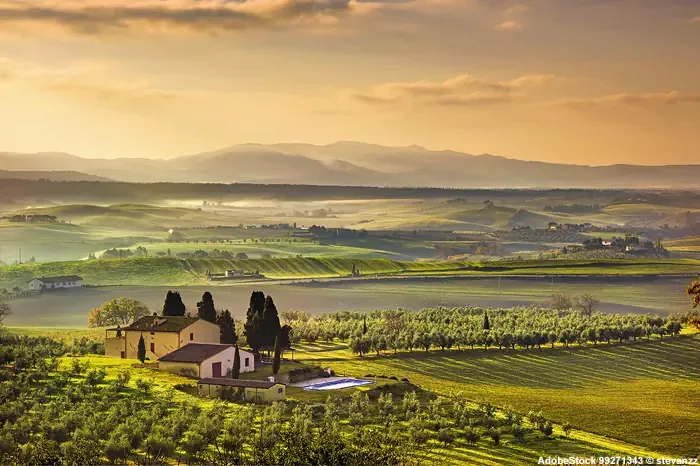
(636, 399)
(644, 393)
(171, 271)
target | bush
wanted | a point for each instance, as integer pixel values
(495, 435)
(547, 429)
(144, 385)
(446, 437)
(96, 376)
(123, 378)
(566, 428)
(518, 433)
(471, 435)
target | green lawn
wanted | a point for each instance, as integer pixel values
(645, 393)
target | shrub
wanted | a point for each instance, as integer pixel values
(547, 429)
(471, 435)
(566, 428)
(518, 433)
(144, 385)
(446, 437)
(123, 378)
(495, 435)
(96, 376)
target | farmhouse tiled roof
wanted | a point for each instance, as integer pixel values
(195, 352)
(239, 383)
(162, 323)
(66, 278)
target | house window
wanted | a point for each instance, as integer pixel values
(280, 390)
(153, 347)
(153, 333)
(246, 362)
(191, 336)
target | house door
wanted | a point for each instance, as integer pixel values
(123, 355)
(216, 369)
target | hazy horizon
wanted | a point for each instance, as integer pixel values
(592, 83)
(330, 145)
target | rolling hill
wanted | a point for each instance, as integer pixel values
(57, 175)
(359, 164)
(501, 217)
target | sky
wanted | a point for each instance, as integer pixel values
(595, 82)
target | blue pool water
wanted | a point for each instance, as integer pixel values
(338, 384)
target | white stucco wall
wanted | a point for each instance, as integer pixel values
(35, 284)
(224, 357)
(251, 361)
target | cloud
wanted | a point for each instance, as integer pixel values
(464, 90)
(517, 9)
(8, 69)
(166, 15)
(510, 25)
(634, 100)
(96, 84)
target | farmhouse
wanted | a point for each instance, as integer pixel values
(205, 361)
(252, 390)
(162, 335)
(49, 283)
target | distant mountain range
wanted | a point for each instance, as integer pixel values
(49, 175)
(352, 164)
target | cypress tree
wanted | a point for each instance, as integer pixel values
(205, 308)
(141, 351)
(277, 360)
(228, 328)
(173, 305)
(364, 326)
(254, 329)
(236, 371)
(487, 324)
(271, 322)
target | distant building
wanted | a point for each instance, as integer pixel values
(235, 273)
(252, 390)
(162, 335)
(50, 283)
(205, 361)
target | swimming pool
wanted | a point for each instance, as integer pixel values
(338, 384)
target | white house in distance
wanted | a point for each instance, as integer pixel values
(49, 283)
(205, 361)
(162, 335)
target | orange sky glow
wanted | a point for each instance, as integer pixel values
(568, 81)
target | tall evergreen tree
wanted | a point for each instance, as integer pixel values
(205, 308)
(271, 322)
(285, 337)
(364, 326)
(254, 326)
(173, 305)
(227, 327)
(278, 357)
(141, 350)
(487, 324)
(236, 371)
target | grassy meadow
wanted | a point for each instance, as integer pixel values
(175, 272)
(644, 393)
